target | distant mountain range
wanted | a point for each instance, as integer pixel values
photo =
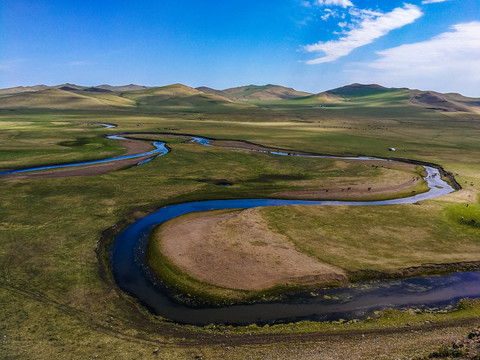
(178, 97)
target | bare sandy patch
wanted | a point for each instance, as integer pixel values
(237, 250)
(135, 146)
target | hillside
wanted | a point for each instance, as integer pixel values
(444, 102)
(178, 97)
(321, 99)
(208, 90)
(360, 90)
(52, 99)
(257, 93)
(426, 99)
(22, 89)
(122, 88)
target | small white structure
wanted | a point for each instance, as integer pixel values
(391, 149)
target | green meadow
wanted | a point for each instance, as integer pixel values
(58, 300)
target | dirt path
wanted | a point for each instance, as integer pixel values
(237, 250)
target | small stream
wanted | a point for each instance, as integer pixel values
(160, 149)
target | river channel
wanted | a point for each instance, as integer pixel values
(134, 277)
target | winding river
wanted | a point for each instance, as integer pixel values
(160, 150)
(134, 276)
(358, 301)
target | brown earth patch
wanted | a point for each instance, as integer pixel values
(353, 192)
(237, 250)
(132, 147)
(135, 146)
(393, 180)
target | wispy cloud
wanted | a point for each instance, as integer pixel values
(342, 3)
(454, 49)
(371, 26)
(329, 13)
(447, 61)
(432, 1)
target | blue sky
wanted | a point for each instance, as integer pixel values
(311, 45)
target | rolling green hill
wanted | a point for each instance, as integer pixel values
(257, 92)
(444, 102)
(360, 90)
(122, 88)
(178, 97)
(22, 89)
(427, 99)
(52, 99)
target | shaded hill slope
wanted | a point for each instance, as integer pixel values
(178, 97)
(257, 92)
(52, 99)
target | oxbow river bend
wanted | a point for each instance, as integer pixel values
(358, 301)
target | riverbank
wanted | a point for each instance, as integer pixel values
(203, 264)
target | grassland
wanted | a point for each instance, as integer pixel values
(361, 242)
(54, 300)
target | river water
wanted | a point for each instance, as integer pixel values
(135, 278)
(160, 149)
(358, 301)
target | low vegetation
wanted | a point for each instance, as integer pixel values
(362, 241)
(58, 302)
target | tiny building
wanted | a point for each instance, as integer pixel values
(391, 149)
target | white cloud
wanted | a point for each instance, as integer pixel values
(447, 50)
(328, 14)
(359, 15)
(447, 62)
(342, 3)
(372, 26)
(432, 1)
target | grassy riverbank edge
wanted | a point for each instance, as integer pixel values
(192, 291)
(465, 312)
(386, 320)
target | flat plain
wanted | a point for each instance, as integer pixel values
(58, 297)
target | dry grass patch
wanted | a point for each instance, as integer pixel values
(237, 250)
(382, 238)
